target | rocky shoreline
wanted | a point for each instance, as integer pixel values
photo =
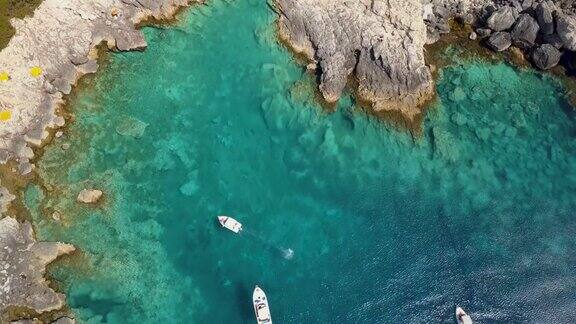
(42, 62)
(382, 44)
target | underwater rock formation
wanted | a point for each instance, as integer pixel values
(22, 265)
(89, 196)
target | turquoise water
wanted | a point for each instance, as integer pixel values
(216, 118)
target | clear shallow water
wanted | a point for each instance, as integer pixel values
(215, 118)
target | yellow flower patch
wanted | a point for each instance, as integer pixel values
(36, 71)
(5, 115)
(4, 76)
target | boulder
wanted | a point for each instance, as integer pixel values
(499, 41)
(89, 196)
(546, 57)
(501, 19)
(527, 4)
(544, 13)
(525, 31)
(566, 28)
(483, 32)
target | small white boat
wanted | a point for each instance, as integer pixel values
(261, 306)
(462, 317)
(230, 223)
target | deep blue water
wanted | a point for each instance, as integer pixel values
(216, 118)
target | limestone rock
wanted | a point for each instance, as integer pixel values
(22, 263)
(499, 41)
(381, 42)
(5, 199)
(546, 56)
(56, 43)
(566, 28)
(501, 19)
(525, 31)
(89, 196)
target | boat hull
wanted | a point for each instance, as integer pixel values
(230, 223)
(261, 308)
(462, 317)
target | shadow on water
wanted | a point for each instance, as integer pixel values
(243, 294)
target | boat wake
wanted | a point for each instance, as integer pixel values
(287, 253)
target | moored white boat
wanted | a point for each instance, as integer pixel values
(462, 317)
(261, 306)
(230, 223)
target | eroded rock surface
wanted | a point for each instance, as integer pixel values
(50, 51)
(22, 265)
(380, 43)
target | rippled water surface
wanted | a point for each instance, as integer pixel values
(216, 118)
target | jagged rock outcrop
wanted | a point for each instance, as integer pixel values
(22, 265)
(50, 51)
(499, 41)
(379, 42)
(525, 31)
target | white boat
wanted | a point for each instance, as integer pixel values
(261, 306)
(462, 317)
(230, 223)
